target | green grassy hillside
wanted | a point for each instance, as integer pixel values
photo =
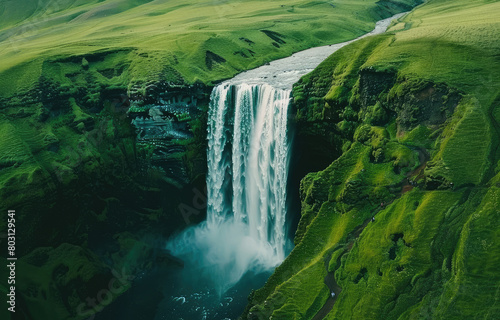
(87, 193)
(413, 118)
(141, 41)
(68, 69)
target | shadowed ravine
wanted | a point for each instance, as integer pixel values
(248, 159)
(245, 235)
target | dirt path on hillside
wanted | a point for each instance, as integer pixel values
(408, 184)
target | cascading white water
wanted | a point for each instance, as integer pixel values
(248, 154)
(247, 138)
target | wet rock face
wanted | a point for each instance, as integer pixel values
(319, 140)
(163, 124)
(316, 146)
(92, 169)
(327, 124)
(97, 188)
(422, 103)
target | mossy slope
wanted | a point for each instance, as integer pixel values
(412, 117)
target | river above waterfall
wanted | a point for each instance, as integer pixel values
(283, 73)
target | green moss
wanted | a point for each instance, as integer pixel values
(333, 264)
(421, 137)
(54, 281)
(463, 157)
(363, 133)
(85, 63)
(376, 114)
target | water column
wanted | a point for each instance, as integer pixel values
(248, 154)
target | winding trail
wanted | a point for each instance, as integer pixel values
(406, 185)
(410, 182)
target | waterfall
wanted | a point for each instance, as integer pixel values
(248, 161)
(243, 237)
(248, 154)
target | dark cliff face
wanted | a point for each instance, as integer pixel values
(377, 98)
(372, 84)
(85, 154)
(92, 194)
